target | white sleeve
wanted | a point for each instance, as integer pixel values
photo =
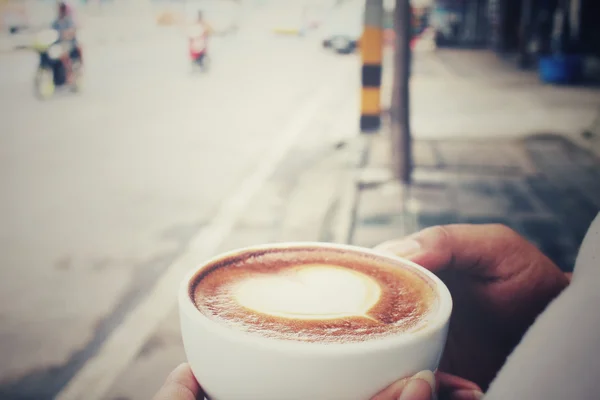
(559, 357)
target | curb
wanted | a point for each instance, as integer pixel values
(346, 205)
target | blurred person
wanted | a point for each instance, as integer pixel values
(199, 33)
(67, 29)
(520, 327)
(71, 11)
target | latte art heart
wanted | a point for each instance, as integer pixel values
(314, 295)
(309, 292)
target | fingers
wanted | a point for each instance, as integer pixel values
(417, 389)
(466, 395)
(180, 385)
(449, 382)
(420, 386)
(452, 387)
(465, 247)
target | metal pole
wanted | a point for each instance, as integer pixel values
(525, 29)
(400, 111)
(371, 50)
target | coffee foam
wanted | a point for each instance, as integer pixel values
(308, 294)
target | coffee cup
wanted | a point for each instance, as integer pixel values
(318, 321)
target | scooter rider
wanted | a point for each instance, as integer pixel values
(67, 30)
(198, 32)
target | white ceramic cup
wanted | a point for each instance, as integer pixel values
(233, 365)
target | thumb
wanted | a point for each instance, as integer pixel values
(478, 249)
(420, 386)
(504, 270)
(180, 385)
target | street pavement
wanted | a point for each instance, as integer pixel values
(545, 187)
(103, 190)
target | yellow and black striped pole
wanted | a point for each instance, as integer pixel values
(371, 50)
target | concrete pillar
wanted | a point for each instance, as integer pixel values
(371, 50)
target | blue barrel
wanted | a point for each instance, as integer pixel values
(560, 68)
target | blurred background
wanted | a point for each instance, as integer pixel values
(350, 121)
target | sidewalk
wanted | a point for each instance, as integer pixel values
(492, 144)
(464, 93)
(544, 187)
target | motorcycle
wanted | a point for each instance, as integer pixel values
(197, 46)
(51, 73)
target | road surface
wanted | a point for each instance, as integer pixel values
(101, 191)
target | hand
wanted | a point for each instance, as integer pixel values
(422, 386)
(180, 385)
(499, 284)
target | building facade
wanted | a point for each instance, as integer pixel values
(528, 28)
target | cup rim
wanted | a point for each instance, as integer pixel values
(437, 322)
